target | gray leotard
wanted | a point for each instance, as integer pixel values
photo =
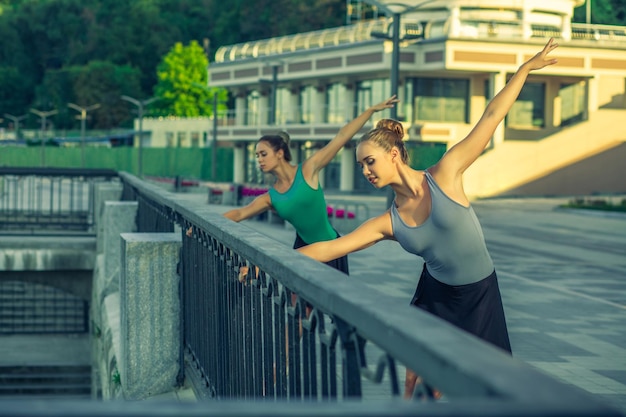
(450, 240)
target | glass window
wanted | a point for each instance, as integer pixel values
(169, 139)
(252, 109)
(283, 105)
(307, 104)
(371, 92)
(195, 139)
(182, 139)
(440, 99)
(573, 98)
(528, 110)
(337, 104)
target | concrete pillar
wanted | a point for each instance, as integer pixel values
(293, 112)
(566, 27)
(454, 22)
(553, 104)
(149, 361)
(264, 109)
(346, 182)
(592, 96)
(106, 191)
(527, 30)
(497, 81)
(239, 164)
(240, 109)
(118, 217)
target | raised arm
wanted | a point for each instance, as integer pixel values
(370, 232)
(323, 157)
(464, 153)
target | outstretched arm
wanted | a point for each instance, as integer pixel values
(464, 153)
(257, 206)
(370, 232)
(322, 157)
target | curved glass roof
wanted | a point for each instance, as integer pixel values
(358, 32)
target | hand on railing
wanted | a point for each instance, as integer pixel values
(243, 274)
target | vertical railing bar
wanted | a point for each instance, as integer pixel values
(269, 368)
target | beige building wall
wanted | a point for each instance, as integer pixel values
(176, 132)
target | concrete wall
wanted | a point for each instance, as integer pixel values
(135, 307)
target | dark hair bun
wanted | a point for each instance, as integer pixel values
(285, 136)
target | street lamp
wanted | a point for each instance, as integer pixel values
(388, 9)
(83, 117)
(215, 93)
(273, 90)
(43, 115)
(140, 106)
(16, 121)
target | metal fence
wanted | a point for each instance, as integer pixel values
(47, 200)
(292, 330)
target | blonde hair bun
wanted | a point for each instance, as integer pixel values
(393, 125)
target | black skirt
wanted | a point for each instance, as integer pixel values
(476, 308)
(340, 264)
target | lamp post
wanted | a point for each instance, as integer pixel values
(141, 104)
(214, 135)
(16, 121)
(43, 115)
(390, 9)
(273, 90)
(83, 117)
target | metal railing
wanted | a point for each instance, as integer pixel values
(48, 200)
(294, 330)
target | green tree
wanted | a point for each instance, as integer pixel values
(182, 77)
(104, 83)
(98, 82)
(14, 91)
(603, 12)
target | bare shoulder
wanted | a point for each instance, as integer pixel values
(449, 180)
(380, 226)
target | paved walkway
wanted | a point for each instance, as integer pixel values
(562, 275)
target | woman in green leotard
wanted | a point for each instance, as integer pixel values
(296, 194)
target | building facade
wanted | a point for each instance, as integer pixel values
(453, 56)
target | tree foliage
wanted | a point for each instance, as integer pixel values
(76, 50)
(605, 12)
(58, 51)
(181, 86)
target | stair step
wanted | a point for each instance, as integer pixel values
(41, 388)
(44, 369)
(46, 397)
(47, 378)
(45, 381)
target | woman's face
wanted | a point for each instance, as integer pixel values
(266, 156)
(375, 163)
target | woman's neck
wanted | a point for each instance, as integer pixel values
(410, 182)
(284, 173)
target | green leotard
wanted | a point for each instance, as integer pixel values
(305, 208)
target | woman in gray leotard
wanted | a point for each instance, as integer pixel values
(431, 217)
